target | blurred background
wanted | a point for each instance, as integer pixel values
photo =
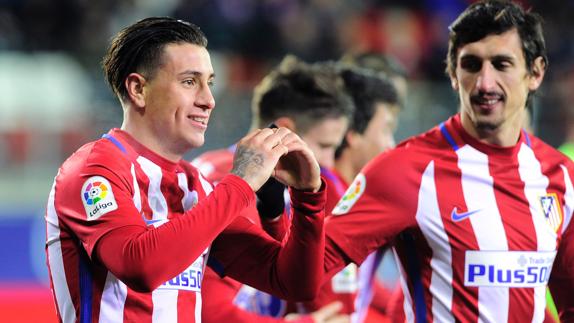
(53, 97)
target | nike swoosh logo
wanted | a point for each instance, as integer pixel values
(461, 216)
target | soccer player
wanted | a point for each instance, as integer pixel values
(478, 211)
(131, 226)
(370, 132)
(311, 101)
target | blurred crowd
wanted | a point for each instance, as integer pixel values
(53, 97)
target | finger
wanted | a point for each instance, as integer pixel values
(280, 150)
(339, 319)
(251, 135)
(276, 138)
(289, 138)
(328, 310)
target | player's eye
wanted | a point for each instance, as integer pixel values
(471, 64)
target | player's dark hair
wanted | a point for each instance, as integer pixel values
(303, 92)
(494, 17)
(367, 89)
(139, 47)
(375, 61)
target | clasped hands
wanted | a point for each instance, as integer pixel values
(279, 153)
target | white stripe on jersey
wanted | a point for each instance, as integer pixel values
(113, 300)
(478, 191)
(188, 198)
(198, 307)
(365, 293)
(430, 222)
(156, 200)
(569, 198)
(56, 261)
(535, 186)
(164, 305)
(137, 197)
(207, 188)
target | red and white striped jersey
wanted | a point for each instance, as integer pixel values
(476, 229)
(129, 234)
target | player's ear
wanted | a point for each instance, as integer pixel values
(453, 81)
(286, 122)
(537, 74)
(352, 138)
(135, 84)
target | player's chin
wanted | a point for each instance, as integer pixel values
(196, 141)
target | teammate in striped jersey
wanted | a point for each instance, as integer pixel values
(309, 99)
(131, 226)
(478, 212)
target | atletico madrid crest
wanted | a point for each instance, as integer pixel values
(552, 210)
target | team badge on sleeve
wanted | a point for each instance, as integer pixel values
(98, 197)
(351, 196)
(552, 210)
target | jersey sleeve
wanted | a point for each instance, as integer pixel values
(561, 281)
(145, 257)
(376, 207)
(218, 305)
(292, 270)
(93, 201)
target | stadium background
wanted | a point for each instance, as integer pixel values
(53, 97)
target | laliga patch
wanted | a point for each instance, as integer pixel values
(346, 281)
(98, 197)
(351, 196)
(552, 210)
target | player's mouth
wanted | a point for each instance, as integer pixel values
(487, 102)
(199, 121)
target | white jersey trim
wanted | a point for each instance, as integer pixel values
(113, 300)
(569, 199)
(56, 261)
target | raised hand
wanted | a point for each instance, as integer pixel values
(326, 314)
(298, 168)
(257, 155)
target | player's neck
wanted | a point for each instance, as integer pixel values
(345, 167)
(145, 137)
(504, 135)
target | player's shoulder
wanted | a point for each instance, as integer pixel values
(100, 154)
(549, 154)
(412, 152)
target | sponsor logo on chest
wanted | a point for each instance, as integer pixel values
(507, 268)
(190, 279)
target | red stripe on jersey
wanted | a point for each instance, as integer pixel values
(517, 222)
(143, 183)
(448, 181)
(138, 306)
(172, 193)
(71, 265)
(184, 301)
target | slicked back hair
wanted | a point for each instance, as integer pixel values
(138, 49)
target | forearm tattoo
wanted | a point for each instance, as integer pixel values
(245, 157)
